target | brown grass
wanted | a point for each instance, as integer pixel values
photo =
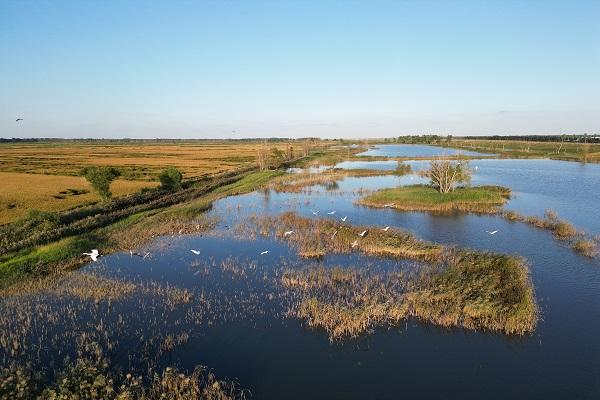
(587, 247)
(316, 237)
(471, 290)
(23, 192)
(140, 160)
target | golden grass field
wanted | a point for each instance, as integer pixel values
(137, 160)
(23, 192)
(32, 175)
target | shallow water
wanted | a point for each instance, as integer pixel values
(278, 357)
(416, 150)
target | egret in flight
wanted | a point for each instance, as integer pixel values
(288, 233)
(344, 219)
(262, 253)
(93, 255)
(314, 212)
(492, 232)
(196, 252)
(355, 243)
(362, 234)
(331, 213)
(386, 229)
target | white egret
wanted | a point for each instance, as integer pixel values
(388, 204)
(492, 232)
(344, 219)
(331, 213)
(355, 243)
(386, 229)
(196, 252)
(262, 253)
(362, 234)
(288, 233)
(93, 255)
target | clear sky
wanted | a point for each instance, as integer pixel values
(198, 69)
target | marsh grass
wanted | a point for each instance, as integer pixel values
(93, 377)
(314, 238)
(298, 182)
(470, 290)
(562, 230)
(479, 199)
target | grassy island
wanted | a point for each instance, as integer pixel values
(481, 199)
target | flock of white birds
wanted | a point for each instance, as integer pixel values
(95, 254)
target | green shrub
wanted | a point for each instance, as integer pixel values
(100, 178)
(170, 179)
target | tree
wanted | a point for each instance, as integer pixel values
(446, 174)
(100, 178)
(170, 179)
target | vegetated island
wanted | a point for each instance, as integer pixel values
(461, 287)
(479, 199)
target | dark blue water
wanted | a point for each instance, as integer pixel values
(278, 357)
(415, 150)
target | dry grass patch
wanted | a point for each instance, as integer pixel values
(317, 237)
(23, 192)
(471, 290)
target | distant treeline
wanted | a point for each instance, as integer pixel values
(128, 140)
(433, 139)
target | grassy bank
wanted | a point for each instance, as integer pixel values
(297, 182)
(481, 199)
(583, 152)
(126, 232)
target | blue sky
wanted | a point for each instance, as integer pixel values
(298, 68)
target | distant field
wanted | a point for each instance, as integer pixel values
(526, 149)
(22, 192)
(137, 160)
(44, 175)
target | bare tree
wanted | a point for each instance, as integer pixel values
(262, 157)
(446, 174)
(306, 148)
(289, 152)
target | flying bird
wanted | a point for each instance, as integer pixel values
(386, 229)
(492, 232)
(262, 253)
(334, 233)
(331, 213)
(355, 243)
(196, 252)
(314, 212)
(19, 119)
(362, 234)
(344, 219)
(288, 233)
(93, 255)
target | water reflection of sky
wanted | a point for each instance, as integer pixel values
(416, 150)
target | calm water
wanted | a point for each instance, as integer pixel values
(415, 150)
(280, 358)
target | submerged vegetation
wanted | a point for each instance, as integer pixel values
(481, 199)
